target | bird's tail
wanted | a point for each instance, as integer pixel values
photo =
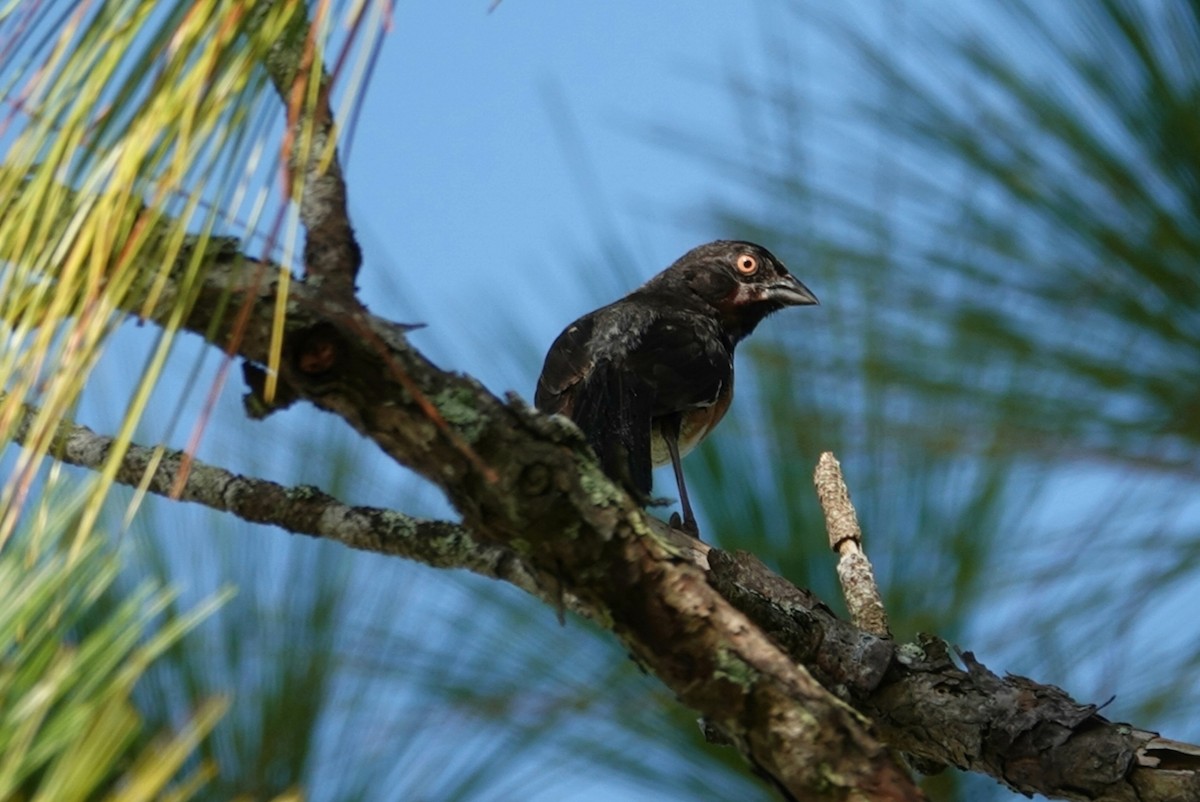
(614, 409)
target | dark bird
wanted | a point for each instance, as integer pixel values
(648, 377)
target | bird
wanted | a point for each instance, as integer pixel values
(648, 377)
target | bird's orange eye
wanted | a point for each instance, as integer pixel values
(746, 264)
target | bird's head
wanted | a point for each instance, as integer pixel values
(742, 281)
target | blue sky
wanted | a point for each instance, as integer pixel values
(497, 149)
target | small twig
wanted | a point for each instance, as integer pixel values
(845, 538)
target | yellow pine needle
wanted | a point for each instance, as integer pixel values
(143, 487)
(157, 765)
(278, 319)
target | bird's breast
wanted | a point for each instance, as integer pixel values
(695, 425)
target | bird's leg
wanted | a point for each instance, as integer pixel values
(669, 427)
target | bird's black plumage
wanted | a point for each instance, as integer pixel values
(648, 377)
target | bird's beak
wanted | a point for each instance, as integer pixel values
(790, 292)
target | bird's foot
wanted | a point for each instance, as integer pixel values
(684, 525)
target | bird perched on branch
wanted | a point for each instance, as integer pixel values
(648, 377)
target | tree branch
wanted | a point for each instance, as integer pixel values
(854, 570)
(332, 256)
(545, 497)
(1033, 738)
(302, 510)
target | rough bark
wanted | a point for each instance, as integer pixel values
(1032, 737)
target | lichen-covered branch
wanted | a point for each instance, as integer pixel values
(301, 510)
(1033, 738)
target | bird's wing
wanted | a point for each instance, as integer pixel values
(585, 378)
(613, 408)
(567, 362)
